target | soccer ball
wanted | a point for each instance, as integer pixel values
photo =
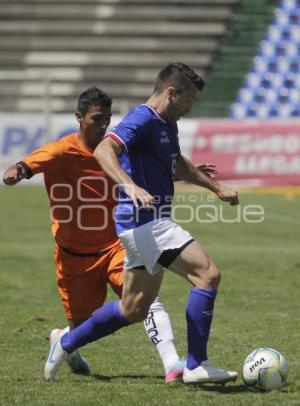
(264, 369)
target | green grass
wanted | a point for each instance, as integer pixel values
(258, 305)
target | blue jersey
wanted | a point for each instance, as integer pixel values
(150, 152)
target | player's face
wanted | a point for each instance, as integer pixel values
(182, 103)
(94, 123)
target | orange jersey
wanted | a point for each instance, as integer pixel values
(82, 198)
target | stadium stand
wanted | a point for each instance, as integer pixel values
(249, 24)
(58, 48)
(272, 87)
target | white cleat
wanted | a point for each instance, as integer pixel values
(56, 355)
(77, 363)
(207, 373)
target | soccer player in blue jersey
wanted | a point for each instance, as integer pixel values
(142, 155)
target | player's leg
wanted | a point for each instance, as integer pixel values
(164, 243)
(107, 319)
(75, 323)
(195, 265)
(82, 288)
(157, 324)
(75, 361)
(160, 332)
(139, 291)
(104, 321)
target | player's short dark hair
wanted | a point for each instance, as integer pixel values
(178, 75)
(92, 97)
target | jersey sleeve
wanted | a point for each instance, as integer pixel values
(125, 136)
(130, 131)
(41, 160)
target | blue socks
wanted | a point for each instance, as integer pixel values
(104, 321)
(109, 318)
(199, 313)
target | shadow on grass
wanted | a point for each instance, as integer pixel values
(106, 378)
(226, 389)
(231, 389)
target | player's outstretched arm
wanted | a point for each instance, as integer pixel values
(107, 154)
(206, 168)
(14, 174)
(187, 171)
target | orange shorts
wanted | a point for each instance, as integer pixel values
(82, 281)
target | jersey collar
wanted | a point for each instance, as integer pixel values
(155, 112)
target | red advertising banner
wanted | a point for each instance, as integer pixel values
(259, 153)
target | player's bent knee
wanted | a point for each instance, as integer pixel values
(207, 278)
(215, 278)
(136, 316)
(135, 313)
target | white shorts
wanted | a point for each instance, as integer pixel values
(145, 244)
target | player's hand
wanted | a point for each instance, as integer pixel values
(13, 175)
(208, 169)
(228, 195)
(139, 195)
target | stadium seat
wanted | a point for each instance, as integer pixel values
(63, 47)
(274, 79)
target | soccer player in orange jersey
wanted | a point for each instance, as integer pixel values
(88, 253)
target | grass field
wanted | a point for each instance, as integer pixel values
(258, 305)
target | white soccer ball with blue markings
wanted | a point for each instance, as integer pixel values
(265, 369)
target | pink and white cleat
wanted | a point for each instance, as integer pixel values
(176, 371)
